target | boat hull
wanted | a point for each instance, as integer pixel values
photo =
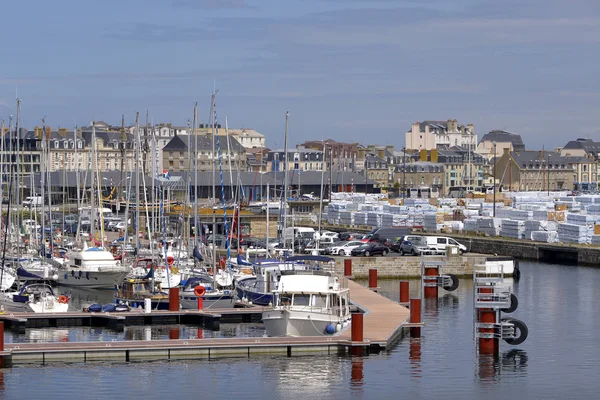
(497, 265)
(209, 300)
(40, 307)
(257, 298)
(285, 322)
(91, 279)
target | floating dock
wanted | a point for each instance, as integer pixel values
(383, 323)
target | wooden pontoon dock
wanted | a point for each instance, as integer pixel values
(383, 323)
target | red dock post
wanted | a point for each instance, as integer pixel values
(431, 292)
(200, 334)
(174, 299)
(415, 317)
(357, 327)
(488, 316)
(174, 333)
(348, 267)
(404, 291)
(372, 279)
(200, 303)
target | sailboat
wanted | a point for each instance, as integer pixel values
(92, 266)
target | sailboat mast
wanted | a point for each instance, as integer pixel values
(93, 185)
(76, 140)
(214, 202)
(283, 200)
(137, 182)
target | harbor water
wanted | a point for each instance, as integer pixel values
(558, 360)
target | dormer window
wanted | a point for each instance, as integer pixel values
(56, 144)
(79, 144)
(65, 144)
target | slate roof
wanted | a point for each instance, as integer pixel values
(505, 136)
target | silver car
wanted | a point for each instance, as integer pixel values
(416, 246)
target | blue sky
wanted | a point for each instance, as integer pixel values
(350, 70)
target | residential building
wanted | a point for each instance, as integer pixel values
(418, 174)
(249, 138)
(301, 158)
(534, 170)
(502, 140)
(175, 154)
(340, 156)
(377, 169)
(430, 135)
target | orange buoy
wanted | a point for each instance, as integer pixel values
(199, 290)
(170, 260)
(63, 299)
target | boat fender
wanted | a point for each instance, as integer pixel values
(520, 329)
(330, 329)
(174, 270)
(516, 271)
(66, 276)
(72, 272)
(87, 275)
(452, 287)
(338, 327)
(63, 299)
(199, 290)
(514, 304)
(80, 273)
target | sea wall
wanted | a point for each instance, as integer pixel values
(406, 266)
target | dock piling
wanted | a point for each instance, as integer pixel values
(200, 303)
(404, 292)
(174, 299)
(488, 344)
(357, 327)
(1, 335)
(415, 317)
(372, 278)
(430, 291)
(348, 267)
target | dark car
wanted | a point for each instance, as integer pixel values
(395, 244)
(370, 249)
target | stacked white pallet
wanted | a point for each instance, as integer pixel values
(447, 202)
(470, 224)
(352, 206)
(595, 239)
(540, 214)
(571, 233)
(373, 219)
(489, 226)
(581, 219)
(587, 199)
(521, 215)
(544, 236)
(571, 205)
(360, 218)
(401, 220)
(594, 208)
(504, 213)
(532, 226)
(415, 202)
(514, 229)
(346, 218)
(430, 222)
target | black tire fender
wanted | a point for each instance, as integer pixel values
(452, 287)
(521, 331)
(514, 304)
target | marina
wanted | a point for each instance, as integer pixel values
(384, 321)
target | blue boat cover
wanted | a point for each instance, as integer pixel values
(310, 258)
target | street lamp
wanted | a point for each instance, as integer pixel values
(495, 179)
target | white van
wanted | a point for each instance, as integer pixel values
(103, 212)
(442, 242)
(33, 201)
(298, 232)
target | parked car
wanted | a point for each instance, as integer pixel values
(417, 246)
(343, 248)
(441, 242)
(395, 244)
(382, 235)
(370, 249)
(70, 219)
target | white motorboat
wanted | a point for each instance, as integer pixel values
(311, 303)
(211, 297)
(501, 265)
(35, 297)
(92, 267)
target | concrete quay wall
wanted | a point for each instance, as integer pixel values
(406, 266)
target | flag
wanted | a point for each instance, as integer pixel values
(166, 174)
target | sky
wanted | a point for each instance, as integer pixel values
(351, 70)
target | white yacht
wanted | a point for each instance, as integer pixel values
(313, 303)
(35, 297)
(92, 267)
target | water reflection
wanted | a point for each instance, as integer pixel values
(357, 375)
(448, 300)
(414, 356)
(490, 367)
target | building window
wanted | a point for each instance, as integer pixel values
(56, 144)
